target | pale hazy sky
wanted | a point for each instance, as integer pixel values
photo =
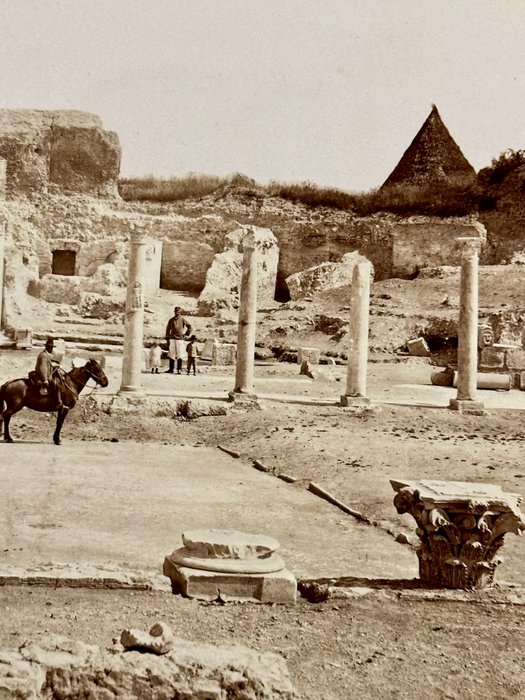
(330, 91)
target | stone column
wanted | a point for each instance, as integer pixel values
(134, 324)
(2, 248)
(244, 368)
(466, 400)
(355, 394)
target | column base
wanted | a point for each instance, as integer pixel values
(278, 587)
(354, 401)
(467, 406)
(131, 391)
(243, 400)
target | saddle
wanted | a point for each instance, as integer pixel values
(35, 382)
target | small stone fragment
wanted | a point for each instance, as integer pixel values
(159, 640)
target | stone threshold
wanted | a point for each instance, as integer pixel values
(69, 576)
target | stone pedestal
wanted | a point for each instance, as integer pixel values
(230, 565)
(244, 368)
(355, 393)
(134, 323)
(461, 526)
(466, 400)
(24, 338)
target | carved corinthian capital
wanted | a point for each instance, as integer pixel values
(461, 527)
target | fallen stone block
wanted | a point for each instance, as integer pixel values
(418, 347)
(490, 380)
(224, 354)
(515, 358)
(492, 358)
(311, 355)
(159, 640)
(24, 338)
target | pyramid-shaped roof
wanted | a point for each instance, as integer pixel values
(432, 156)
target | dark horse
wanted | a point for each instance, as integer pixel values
(20, 393)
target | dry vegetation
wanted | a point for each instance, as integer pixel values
(438, 198)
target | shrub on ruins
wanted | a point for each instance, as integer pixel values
(155, 189)
(503, 181)
(312, 195)
(437, 198)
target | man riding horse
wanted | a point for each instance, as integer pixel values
(45, 373)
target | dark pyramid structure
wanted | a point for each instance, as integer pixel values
(433, 156)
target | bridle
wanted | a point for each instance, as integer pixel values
(94, 378)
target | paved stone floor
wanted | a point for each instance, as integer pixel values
(127, 504)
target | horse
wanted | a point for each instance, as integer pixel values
(19, 393)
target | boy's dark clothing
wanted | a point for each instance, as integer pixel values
(191, 351)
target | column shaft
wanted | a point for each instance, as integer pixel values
(468, 327)
(2, 249)
(358, 332)
(244, 368)
(134, 325)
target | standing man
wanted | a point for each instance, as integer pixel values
(176, 331)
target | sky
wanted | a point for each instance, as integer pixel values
(326, 91)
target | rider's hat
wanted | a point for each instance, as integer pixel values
(50, 342)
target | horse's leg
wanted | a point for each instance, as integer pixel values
(6, 415)
(10, 405)
(61, 416)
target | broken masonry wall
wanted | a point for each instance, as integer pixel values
(429, 243)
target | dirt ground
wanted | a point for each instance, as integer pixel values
(377, 646)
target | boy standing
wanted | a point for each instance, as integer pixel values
(191, 350)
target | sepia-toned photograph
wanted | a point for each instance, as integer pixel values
(262, 349)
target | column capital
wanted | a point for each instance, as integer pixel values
(138, 235)
(248, 239)
(469, 245)
(461, 527)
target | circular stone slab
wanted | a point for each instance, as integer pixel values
(265, 565)
(228, 544)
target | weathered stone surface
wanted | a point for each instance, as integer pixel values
(312, 355)
(230, 564)
(228, 544)
(461, 526)
(421, 242)
(63, 668)
(492, 358)
(69, 149)
(328, 275)
(24, 338)
(223, 278)
(515, 358)
(224, 354)
(418, 347)
(159, 640)
(444, 378)
(499, 381)
(271, 587)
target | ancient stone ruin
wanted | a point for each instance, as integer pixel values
(461, 527)
(229, 565)
(62, 667)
